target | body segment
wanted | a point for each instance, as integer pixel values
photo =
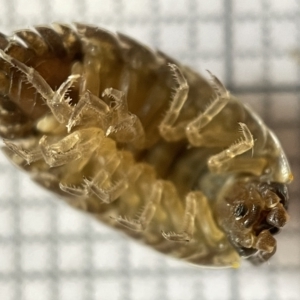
(142, 143)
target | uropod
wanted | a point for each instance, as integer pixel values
(142, 143)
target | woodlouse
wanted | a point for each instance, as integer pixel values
(117, 129)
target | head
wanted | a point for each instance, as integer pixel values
(251, 212)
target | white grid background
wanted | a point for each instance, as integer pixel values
(48, 251)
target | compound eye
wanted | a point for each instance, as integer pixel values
(240, 211)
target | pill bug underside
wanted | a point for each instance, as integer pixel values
(140, 167)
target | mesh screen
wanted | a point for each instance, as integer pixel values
(48, 251)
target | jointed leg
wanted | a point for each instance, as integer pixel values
(141, 223)
(254, 165)
(168, 130)
(193, 129)
(108, 194)
(29, 156)
(86, 104)
(219, 162)
(102, 186)
(77, 191)
(62, 152)
(125, 127)
(55, 99)
(188, 222)
(70, 148)
(172, 131)
(206, 221)
(91, 68)
(197, 213)
(115, 119)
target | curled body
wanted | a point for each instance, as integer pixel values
(142, 143)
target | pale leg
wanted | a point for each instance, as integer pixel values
(72, 147)
(123, 125)
(168, 128)
(219, 162)
(29, 155)
(194, 128)
(141, 222)
(188, 220)
(55, 100)
(172, 130)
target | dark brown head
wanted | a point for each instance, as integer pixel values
(250, 213)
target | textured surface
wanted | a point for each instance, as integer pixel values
(48, 251)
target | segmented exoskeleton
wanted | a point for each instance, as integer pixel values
(142, 143)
